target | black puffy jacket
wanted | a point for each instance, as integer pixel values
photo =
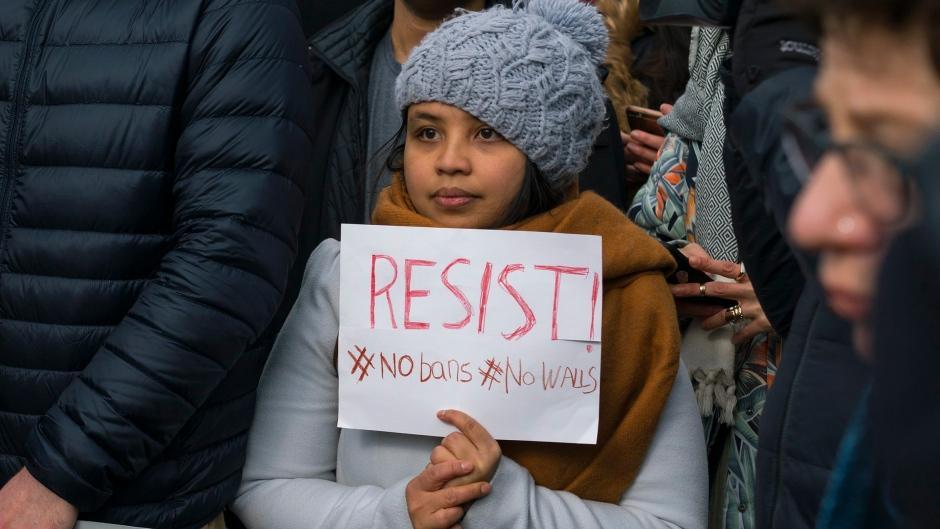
(904, 410)
(820, 378)
(768, 40)
(152, 155)
(318, 14)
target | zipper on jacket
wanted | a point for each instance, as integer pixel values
(22, 77)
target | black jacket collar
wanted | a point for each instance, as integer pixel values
(347, 44)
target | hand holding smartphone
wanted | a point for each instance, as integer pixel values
(641, 147)
(695, 276)
(640, 118)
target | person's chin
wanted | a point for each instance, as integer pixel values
(856, 309)
(454, 219)
(850, 306)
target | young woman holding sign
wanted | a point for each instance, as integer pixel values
(501, 108)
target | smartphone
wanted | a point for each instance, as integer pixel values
(644, 119)
(696, 276)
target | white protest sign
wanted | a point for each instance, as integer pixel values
(503, 325)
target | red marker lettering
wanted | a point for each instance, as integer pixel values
(384, 290)
(409, 293)
(484, 295)
(597, 285)
(460, 295)
(559, 270)
(526, 310)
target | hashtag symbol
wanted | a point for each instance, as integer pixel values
(361, 363)
(492, 366)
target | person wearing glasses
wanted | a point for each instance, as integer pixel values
(880, 93)
(879, 90)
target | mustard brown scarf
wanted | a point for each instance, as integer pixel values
(640, 338)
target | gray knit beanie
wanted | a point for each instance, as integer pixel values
(530, 72)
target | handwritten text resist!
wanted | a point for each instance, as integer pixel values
(398, 287)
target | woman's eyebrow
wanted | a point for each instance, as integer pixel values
(427, 117)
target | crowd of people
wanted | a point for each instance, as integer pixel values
(175, 175)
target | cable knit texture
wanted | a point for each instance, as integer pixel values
(530, 72)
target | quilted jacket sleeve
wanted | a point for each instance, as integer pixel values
(242, 152)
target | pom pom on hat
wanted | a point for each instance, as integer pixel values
(580, 21)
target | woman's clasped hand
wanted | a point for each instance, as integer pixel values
(460, 472)
(715, 316)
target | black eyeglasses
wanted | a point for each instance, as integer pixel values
(881, 179)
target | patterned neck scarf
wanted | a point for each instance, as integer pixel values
(698, 117)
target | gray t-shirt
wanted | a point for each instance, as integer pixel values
(384, 119)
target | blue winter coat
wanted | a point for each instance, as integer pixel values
(152, 156)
